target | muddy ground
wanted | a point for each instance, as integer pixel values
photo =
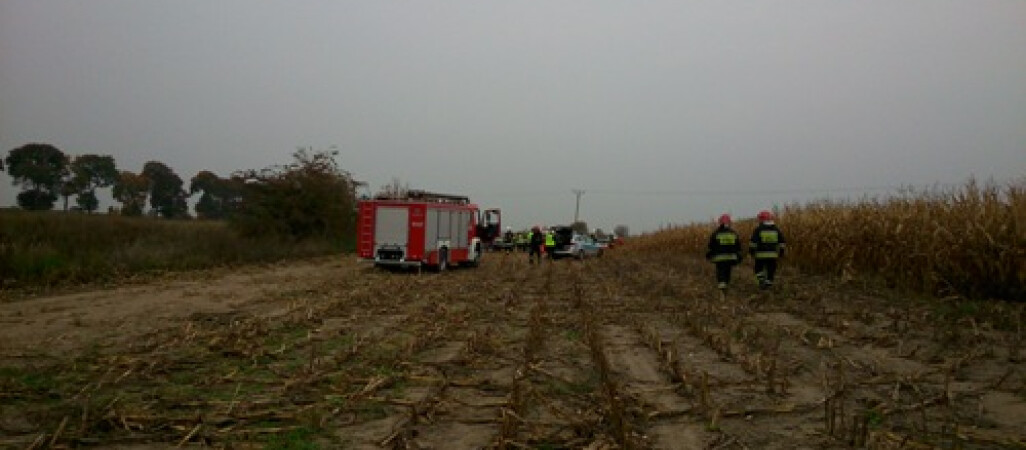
(626, 351)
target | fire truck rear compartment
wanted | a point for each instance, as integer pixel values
(392, 232)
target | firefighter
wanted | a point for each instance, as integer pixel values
(766, 246)
(523, 238)
(724, 251)
(535, 244)
(550, 243)
(507, 240)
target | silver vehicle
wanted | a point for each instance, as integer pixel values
(580, 246)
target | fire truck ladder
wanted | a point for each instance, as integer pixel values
(426, 196)
(366, 229)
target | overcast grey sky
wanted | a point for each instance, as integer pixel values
(662, 111)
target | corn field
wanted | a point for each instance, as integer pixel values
(969, 241)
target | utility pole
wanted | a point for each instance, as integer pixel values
(577, 209)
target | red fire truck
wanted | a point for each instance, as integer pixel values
(424, 229)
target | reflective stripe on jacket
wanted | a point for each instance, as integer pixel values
(724, 245)
(767, 241)
(724, 257)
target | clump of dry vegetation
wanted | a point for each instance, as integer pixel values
(40, 249)
(968, 241)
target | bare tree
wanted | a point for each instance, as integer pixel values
(393, 190)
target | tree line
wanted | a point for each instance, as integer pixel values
(311, 196)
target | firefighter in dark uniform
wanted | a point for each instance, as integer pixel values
(766, 246)
(507, 240)
(724, 251)
(535, 243)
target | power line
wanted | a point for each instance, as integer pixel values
(671, 192)
(676, 192)
(715, 192)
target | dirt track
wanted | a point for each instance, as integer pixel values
(619, 352)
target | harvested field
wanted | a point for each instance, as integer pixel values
(617, 352)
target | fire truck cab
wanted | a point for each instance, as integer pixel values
(424, 229)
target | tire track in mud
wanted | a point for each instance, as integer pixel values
(553, 402)
(396, 395)
(653, 405)
(462, 389)
(539, 384)
(475, 368)
(520, 378)
(670, 347)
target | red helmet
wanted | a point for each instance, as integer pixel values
(724, 220)
(764, 216)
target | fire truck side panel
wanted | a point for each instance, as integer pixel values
(462, 230)
(431, 230)
(458, 234)
(444, 226)
(438, 219)
(417, 248)
(451, 227)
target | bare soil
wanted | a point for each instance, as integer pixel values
(625, 351)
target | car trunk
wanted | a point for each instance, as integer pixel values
(563, 236)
